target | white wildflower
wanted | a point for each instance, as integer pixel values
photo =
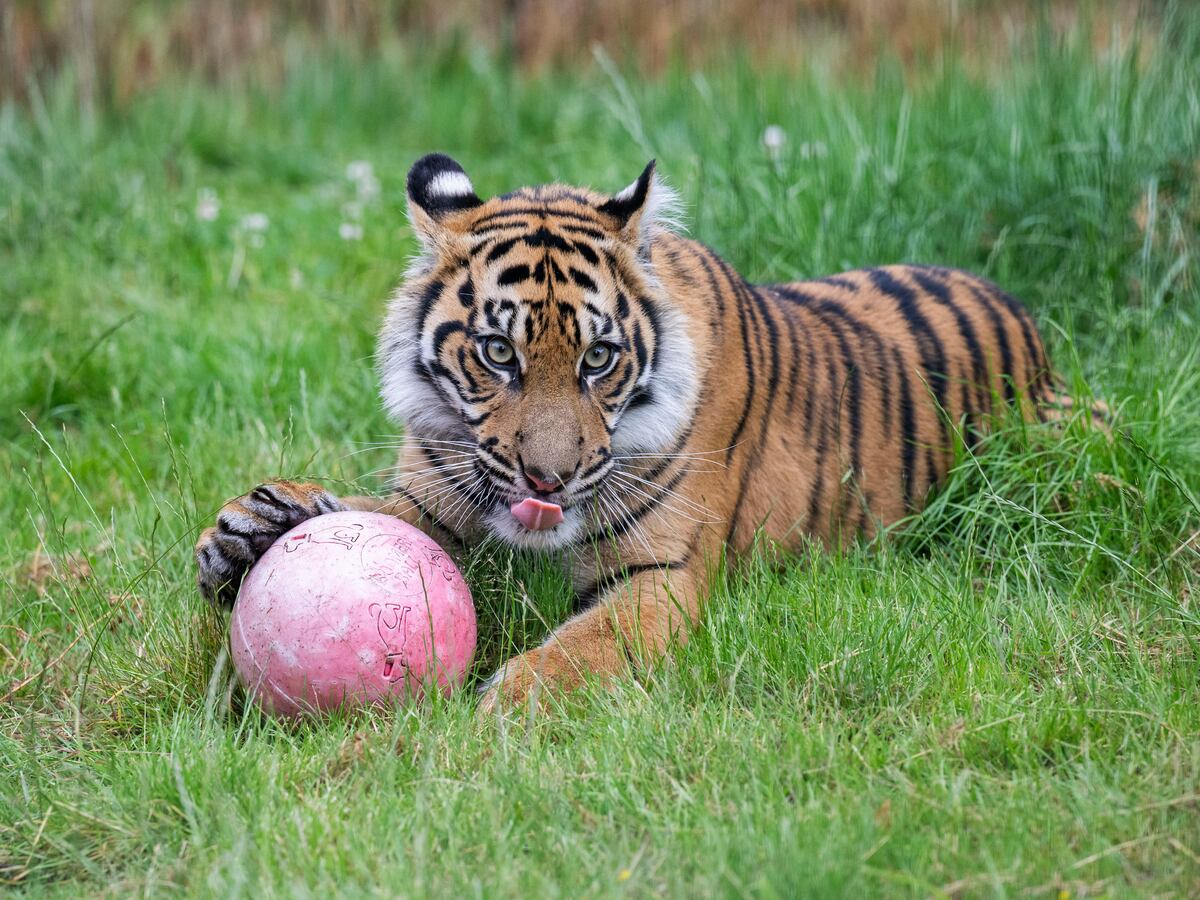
(359, 170)
(352, 211)
(350, 231)
(254, 226)
(368, 189)
(255, 222)
(773, 138)
(366, 185)
(208, 207)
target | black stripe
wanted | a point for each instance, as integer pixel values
(641, 396)
(587, 252)
(500, 249)
(844, 283)
(796, 306)
(441, 371)
(830, 314)
(442, 333)
(542, 211)
(908, 433)
(594, 233)
(864, 332)
(591, 470)
(700, 253)
(462, 364)
(492, 469)
(929, 345)
(543, 237)
(582, 279)
(429, 296)
(1006, 360)
(747, 357)
(640, 353)
(853, 389)
(513, 275)
(742, 289)
(670, 456)
(1038, 364)
(483, 231)
(940, 292)
(794, 342)
(466, 293)
(822, 459)
(622, 305)
(627, 374)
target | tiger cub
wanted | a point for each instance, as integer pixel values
(573, 376)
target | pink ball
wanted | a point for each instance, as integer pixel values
(351, 608)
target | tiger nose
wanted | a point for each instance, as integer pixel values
(542, 481)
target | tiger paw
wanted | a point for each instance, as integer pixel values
(524, 680)
(247, 526)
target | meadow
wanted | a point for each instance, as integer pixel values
(1003, 698)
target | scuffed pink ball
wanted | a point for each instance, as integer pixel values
(351, 608)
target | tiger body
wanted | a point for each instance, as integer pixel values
(723, 411)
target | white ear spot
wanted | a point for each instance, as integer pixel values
(450, 184)
(627, 194)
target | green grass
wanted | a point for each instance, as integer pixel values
(1003, 700)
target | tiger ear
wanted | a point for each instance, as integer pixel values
(438, 188)
(643, 209)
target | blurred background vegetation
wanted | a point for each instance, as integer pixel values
(115, 49)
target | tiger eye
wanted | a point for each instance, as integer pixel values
(499, 351)
(597, 356)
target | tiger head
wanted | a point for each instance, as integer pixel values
(533, 331)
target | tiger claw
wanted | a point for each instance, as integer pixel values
(247, 527)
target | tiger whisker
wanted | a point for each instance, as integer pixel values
(666, 491)
(422, 496)
(416, 439)
(479, 500)
(453, 454)
(632, 526)
(686, 468)
(465, 500)
(657, 504)
(701, 456)
(690, 453)
(394, 472)
(399, 440)
(424, 467)
(426, 505)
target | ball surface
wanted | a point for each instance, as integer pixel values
(351, 608)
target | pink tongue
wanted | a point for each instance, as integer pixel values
(536, 515)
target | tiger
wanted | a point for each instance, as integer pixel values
(575, 376)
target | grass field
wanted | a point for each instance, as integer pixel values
(1003, 700)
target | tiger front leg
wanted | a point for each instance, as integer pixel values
(247, 526)
(631, 627)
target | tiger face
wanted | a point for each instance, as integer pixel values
(533, 333)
